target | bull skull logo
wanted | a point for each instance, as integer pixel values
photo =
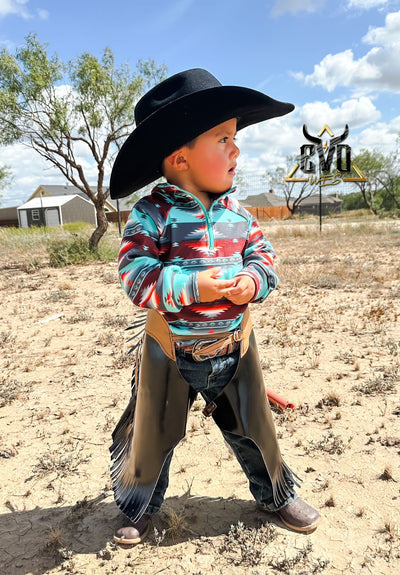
(326, 152)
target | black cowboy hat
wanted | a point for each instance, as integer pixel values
(175, 112)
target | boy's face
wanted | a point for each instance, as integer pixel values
(211, 160)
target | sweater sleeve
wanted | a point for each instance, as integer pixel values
(258, 260)
(147, 281)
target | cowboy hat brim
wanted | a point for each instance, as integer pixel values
(139, 160)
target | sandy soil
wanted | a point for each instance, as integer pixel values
(329, 340)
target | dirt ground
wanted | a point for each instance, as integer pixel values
(329, 340)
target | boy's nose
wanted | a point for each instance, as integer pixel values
(236, 151)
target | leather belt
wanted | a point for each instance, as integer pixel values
(204, 349)
(157, 328)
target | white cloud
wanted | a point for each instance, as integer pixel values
(310, 6)
(294, 6)
(265, 146)
(378, 70)
(357, 112)
(272, 138)
(30, 170)
(387, 36)
(43, 14)
(380, 136)
(19, 8)
(367, 4)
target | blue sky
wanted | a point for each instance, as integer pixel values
(337, 61)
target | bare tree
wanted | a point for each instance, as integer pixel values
(293, 192)
(63, 110)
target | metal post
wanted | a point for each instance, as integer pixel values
(42, 214)
(320, 202)
(119, 218)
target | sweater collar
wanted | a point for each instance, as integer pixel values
(178, 193)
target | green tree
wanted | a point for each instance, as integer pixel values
(381, 190)
(5, 177)
(353, 201)
(64, 111)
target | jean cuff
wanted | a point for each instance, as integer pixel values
(271, 507)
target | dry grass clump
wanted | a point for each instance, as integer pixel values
(176, 524)
(302, 562)
(57, 296)
(115, 321)
(122, 360)
(245, 545)
(11, 389)
(393, 347)
(380, 383)
(81, 316)
(387, 474)
(6, 338)
(54, 539)
(109, 277)
(389, 548)
(329, 443)
(330, 400)
(63, 464)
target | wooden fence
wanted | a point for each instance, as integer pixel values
(113, 216)
(270, 212)
(260, 213)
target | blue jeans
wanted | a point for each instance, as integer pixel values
(209, 378)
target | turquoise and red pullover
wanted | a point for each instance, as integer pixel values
(170, 237)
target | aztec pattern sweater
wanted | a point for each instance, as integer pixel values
(170, 237)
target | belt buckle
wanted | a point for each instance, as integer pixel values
(198, 346)
(237, 335)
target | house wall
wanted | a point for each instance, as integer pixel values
(53, 216)
(36, 217)
(313, 209)
(9, 217)
(78, 210)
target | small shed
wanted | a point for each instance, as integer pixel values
(56, 211)
(110, 206)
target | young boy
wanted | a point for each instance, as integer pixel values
(195, 259)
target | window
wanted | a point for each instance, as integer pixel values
(35, 215)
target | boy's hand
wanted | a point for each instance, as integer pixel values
(243, 290)
(210, 287)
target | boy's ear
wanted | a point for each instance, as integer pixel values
(177, 160)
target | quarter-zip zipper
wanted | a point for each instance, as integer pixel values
(208, 219)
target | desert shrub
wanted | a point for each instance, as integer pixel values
(76, 250)
(302, 562)
(245, 545)
(72, 251)
(380, 383)
(11, 389)
(329, 443)
(63, 464)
